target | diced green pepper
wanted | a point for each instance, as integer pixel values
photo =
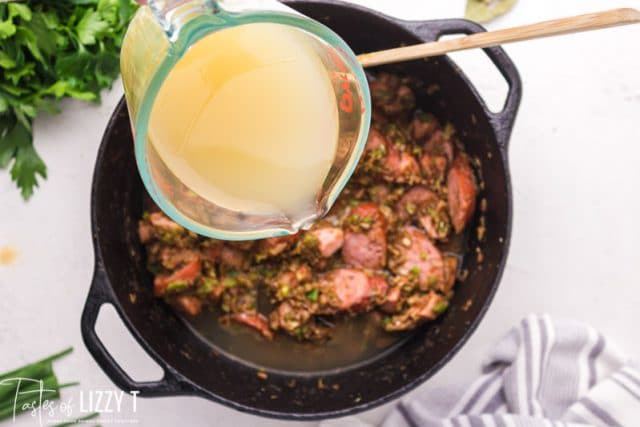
(177, 286)
(313, 295)
(441, 307)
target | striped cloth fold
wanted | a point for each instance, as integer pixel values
(544, 373)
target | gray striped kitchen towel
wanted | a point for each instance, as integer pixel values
(545, 372)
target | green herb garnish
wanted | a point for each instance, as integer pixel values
(313, 295)
(20, 396)
(50, 50)
(229, 282)
(177, 286)
(441, 307)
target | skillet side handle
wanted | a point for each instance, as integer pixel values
(501, 121)
(100, 293)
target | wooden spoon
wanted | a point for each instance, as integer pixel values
(575, 24)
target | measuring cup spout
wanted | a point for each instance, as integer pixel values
(174, 14)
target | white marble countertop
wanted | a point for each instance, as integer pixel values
(574, 161)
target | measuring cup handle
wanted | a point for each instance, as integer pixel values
(503, 120)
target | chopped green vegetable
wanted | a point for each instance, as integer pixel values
(449, 130)
(206, 285)
(313, 295)
(18, 396)
(177, 286)
(310, 239)
(432, 281)
(486, 10)
(50, 50)
(410, 207)
(415, 271)
(229, 282)
(441, 307)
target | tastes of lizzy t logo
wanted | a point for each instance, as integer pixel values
(43, 402)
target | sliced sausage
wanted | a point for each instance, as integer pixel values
(289, 278)
(417, 256)
(160, 220)
(254, 320)
(461, 187)
(171, 257)
(406, 171)
(392, 300)
(245, 245)
(289, 316)
(233, 258)
(189, 304)
(423, 126)
(351, 289)
(437, 155)
(420, 308)
(365, 238)
(329, 239)
(428, 209)
(387, 160)
(188, 273)
(145, 231)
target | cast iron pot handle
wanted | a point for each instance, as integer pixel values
(502, 121)
(100, 293)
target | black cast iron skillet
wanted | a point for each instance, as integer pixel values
(192, 367)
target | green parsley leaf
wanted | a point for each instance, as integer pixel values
(7, 29)
(27, 164)
(21, 10)
(6, 61)
(50, 50)
(90, 27)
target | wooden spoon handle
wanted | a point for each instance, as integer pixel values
(574, 24)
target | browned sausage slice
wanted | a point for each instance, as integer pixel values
(329, 239)
(189, 304)
(423, 126)
(392, 164)
(436, 157)
(351, 289)
(289, 316)
(417, 256)
(233, 257)
(461, 188)
(428, 209)
(188, 273)
(256, 321)
(421, 307)
(365, 238)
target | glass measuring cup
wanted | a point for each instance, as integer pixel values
(160, 34)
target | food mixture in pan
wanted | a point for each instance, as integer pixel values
(385, 246)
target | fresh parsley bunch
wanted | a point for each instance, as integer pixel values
(49, 50)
